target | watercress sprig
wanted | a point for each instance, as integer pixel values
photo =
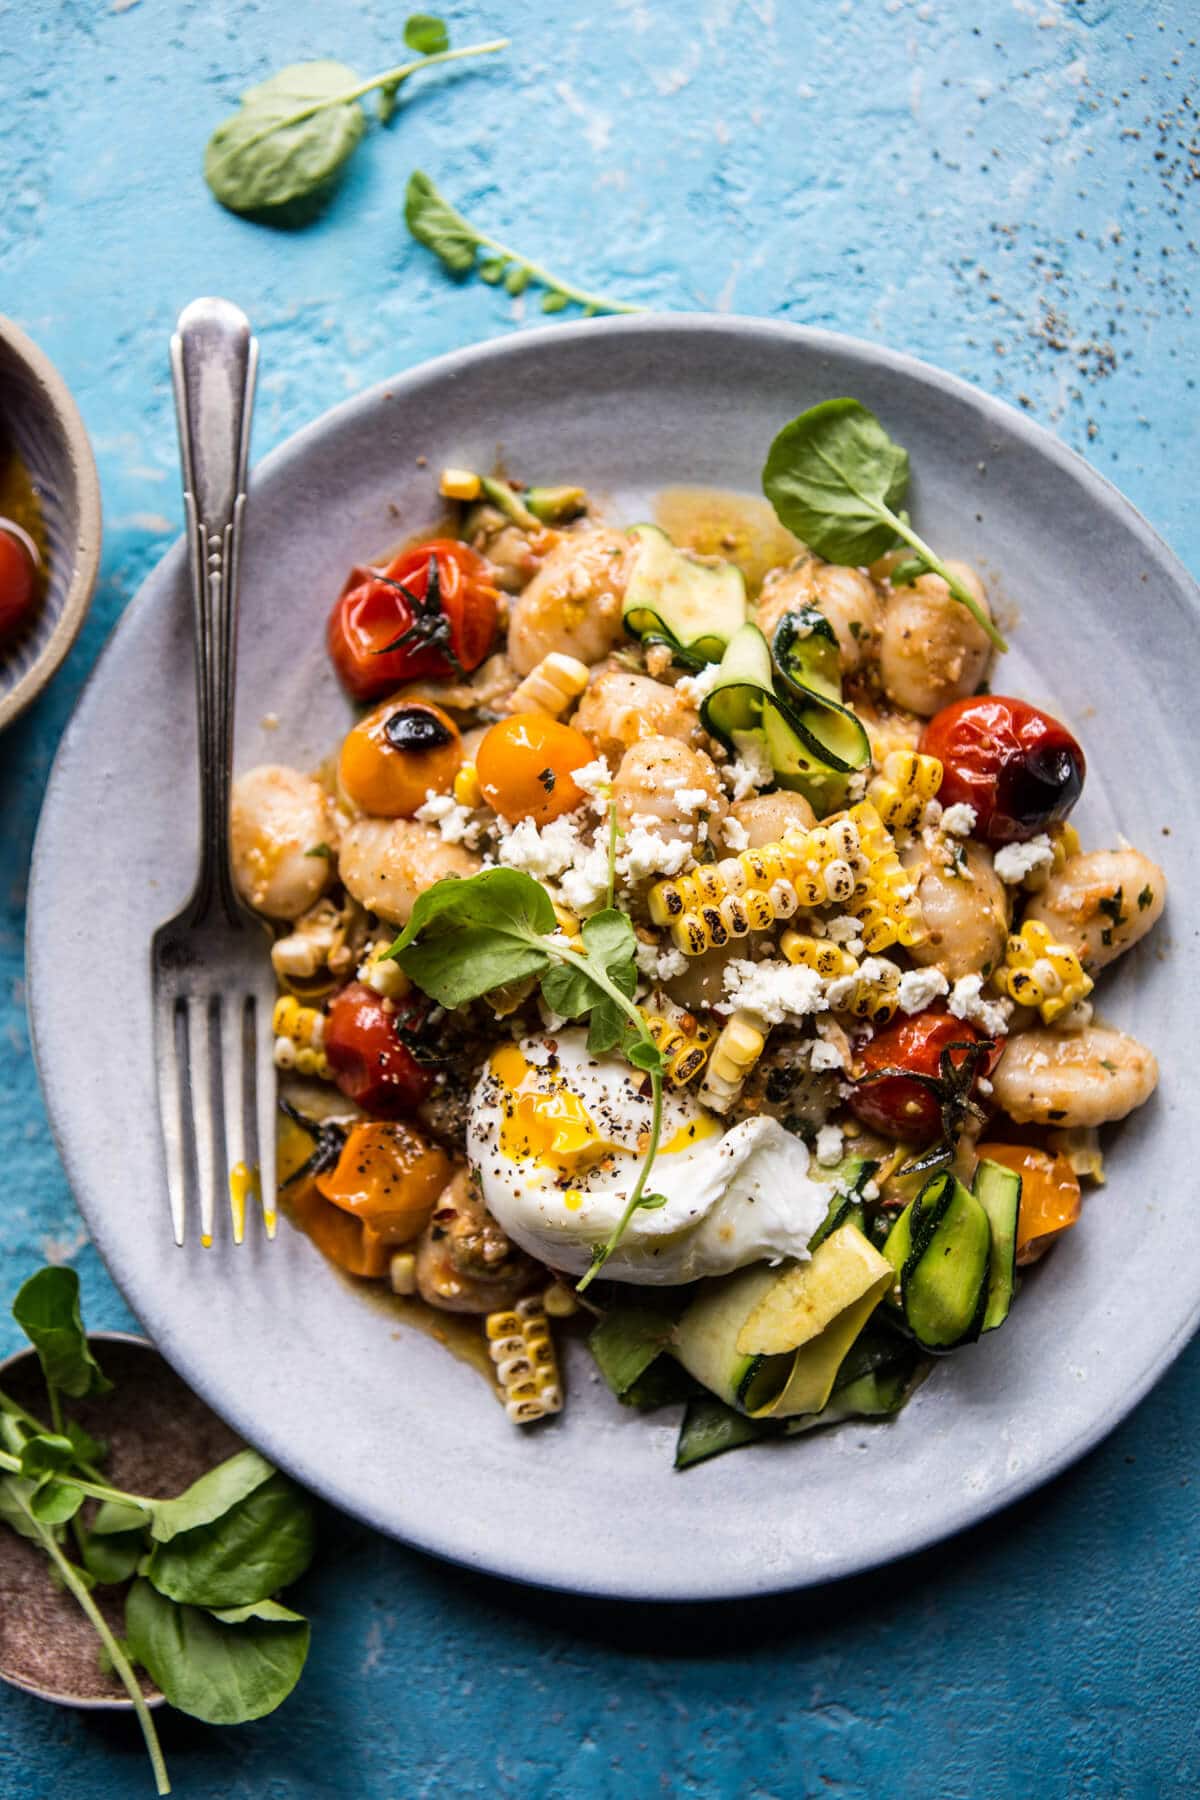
(838, 481)
(293, 135)
(457, 243)
(201, 1618)
(468, 936)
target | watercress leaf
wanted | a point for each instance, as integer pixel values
(608, 937)
(651, 1202)
(262, 1544)
(289, 138)
(211, 1497)
(53, 1502)
(114, 1517)
(47, 1310)
(554, 302)
(45, 1452)
(13, 1433)
(14, 1491)
(608, 1027)
(645, 1056)
(833, 475)
(435, 223)
(87, 1448)
(492, 271)
(570, 989)
(112, 1559)
(466, 937)
(426, 34)
(518, 278)
(909, 570)
(224, 1672)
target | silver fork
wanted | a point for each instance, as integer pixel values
(212, 987)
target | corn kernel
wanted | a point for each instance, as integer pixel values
(402, 1272)
(1038, 972)
(459, 484)
(467, 790)
(734, 1054)
(551, 686)
(907, 781)
(521, 1348)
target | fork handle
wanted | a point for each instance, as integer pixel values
(214, 360)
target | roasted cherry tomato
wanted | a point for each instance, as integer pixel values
(909, 1105)
(524, 766)
(18, 577)
(368, 1059)
(388, 1176)
(432, 611)
(1019, 768)
(397, 755)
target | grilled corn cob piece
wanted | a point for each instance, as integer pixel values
(520, 1345)
(885, 899)
(734, 1054)
(1038, 972)
(551, 686)
(759, 887)
(683, 1043)
(822, 955)
(905, 785)
(299, 1035)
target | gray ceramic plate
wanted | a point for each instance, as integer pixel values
(381, 1420)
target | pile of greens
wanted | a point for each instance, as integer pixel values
(200, 1615)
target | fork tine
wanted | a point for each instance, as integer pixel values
(204, 1103)
(266, 1103)
(170, 1046)
(233, 1057)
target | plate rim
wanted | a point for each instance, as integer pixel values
(679, 1587)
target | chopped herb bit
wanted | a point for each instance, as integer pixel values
(1110, 1066)
(1145, 898)
(1110, 906)
(547, 778)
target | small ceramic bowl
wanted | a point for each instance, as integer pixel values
(160, 1438)
(42, 422)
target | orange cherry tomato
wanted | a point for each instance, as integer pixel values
(397, 754)
(389, 1177)
(524, 766)
(1050, 1199)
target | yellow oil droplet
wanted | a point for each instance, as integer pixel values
(243, 1186)
(572, 1200)
(206, 1242)
(270, 1219)
(691, 1133)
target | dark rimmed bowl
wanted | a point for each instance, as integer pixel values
(161, 1437)
(42, 420)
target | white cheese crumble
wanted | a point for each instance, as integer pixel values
(960, 820)
(545, 853)
(750, 769)
(657, 964)
(845, 931)
(456, 823)
(694, 688)
(643, 852)
(1015, 861)
(586, 881)
(967, 1002)
(931, 818)
(691, 800)
(919, 988)
(734, 835)
(774, 990)
(595, 778)
(829, 1145)
(825, 1056)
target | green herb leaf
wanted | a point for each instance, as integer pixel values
(466, 937)
(47, 1310)
(87, 1448)
(210, 1498)
(455, 241)
(321, 850)
(571, 990)
(54, 1502)
(289, 138)
(114, 1517)
(110, 1560)
(260, 1545)
(15, 1497)
(224, 1670)
(425, 33)
(837, 480)
(646, 1056)
(46, 1452)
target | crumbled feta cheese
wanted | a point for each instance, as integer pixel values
(734, 835)
(595, 778)
(931, 818)
(919, 988)
(877, 970)
(870, 1190)
(643, 852)
(826, 1056)
(750, 769)
(586, 881)
(694, 688)
(841, 991)
(829, 1145)
(967, 1002)
(960, 820)
(1015, 861)
(545, 853)
(774, 990)
(658, 964)
(691, 800)
(843, 928)
(457, 824)
(856, 787)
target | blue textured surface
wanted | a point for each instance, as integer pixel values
(1005, 189)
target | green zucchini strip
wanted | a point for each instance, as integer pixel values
(940, 1247)
(674, 597)
(808, 662)
(998, 1191)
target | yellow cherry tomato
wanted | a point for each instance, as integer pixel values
(524, 766)
(398, 754)
(1050, 1198)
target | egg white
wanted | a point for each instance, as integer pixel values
(734, 1196)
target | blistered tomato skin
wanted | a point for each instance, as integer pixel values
(18, 579)
(525, 765)
(398, 755)
(896, 1104)
(431, 612)
(368, 1061)
(1017, 766)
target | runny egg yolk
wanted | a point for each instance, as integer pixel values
(554, 1129)
(691, 1133)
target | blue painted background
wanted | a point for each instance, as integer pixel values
(1007, 188)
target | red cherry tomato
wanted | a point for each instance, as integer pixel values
(447, 626)
(1019, 768)
(18, 578)
(368, 1060)
(898, 1105)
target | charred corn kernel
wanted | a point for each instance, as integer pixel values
(904, 786)
(299, 1035)
(819, 954)
(759, 910)
(884, 900)
(875, 991)
(1080, 1144)
(402, 1272)
(467, 790)
(684, 1047)
(1038, 972)
(382, 975)
(734, 1054)
(559, 1301)
(551, 686)
(459, 484)
(520, 1346)
(568, 922)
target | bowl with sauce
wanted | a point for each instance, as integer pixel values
(49, 521)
